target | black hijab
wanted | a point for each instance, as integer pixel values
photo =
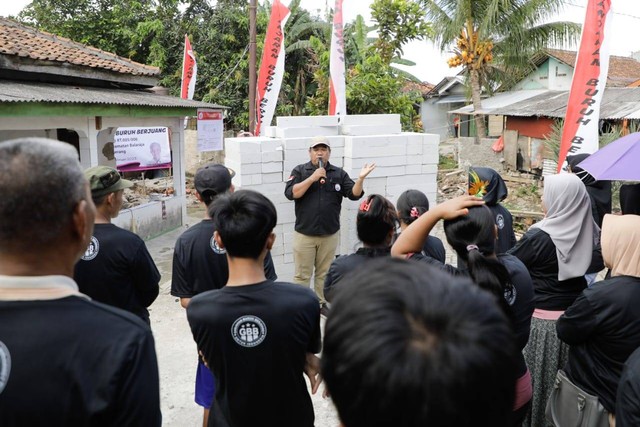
(630, 199)
(599, 191)
(488, 184)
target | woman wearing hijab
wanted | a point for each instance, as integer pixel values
(411, 205)
(599, 191)
(603, 325)
(557, 252)
(630, 199)
(471, 232)
(488, 184)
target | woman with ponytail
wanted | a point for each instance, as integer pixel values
(471, 232)
(411, 205)
(376, 225)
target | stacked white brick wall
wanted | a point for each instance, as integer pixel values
(404, 160)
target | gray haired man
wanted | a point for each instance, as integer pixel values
(64, 360)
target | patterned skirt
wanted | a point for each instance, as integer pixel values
(545, 353)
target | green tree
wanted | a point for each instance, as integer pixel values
(397, 22)
(493, 40)
(109, 25)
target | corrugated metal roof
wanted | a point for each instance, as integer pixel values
(499, 101)
(617, 103)
(12, 91)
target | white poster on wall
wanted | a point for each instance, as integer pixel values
(142, 148)
(210, 130)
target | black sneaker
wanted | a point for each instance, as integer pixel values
(324, 310)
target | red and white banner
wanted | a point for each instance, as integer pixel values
(337, 85)
(189, 71)
(271, 67)
(580, 132)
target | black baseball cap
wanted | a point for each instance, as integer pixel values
(213, 179)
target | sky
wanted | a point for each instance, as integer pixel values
(430, 63)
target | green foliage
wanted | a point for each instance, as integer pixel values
(397, 22)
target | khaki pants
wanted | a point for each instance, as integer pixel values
(310, 252)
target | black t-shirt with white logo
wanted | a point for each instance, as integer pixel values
(117, 269)
(199, 265)
(75, 362)
(255, 339)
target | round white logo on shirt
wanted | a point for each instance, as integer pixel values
(5, 365)
(217, 249)
(337, 187)
(248, 331)
(92, 249)
(500, 221)
(510, 295)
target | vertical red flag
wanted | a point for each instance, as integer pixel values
(189, 71)
(271, 67)
(337, 85)
(580, 131)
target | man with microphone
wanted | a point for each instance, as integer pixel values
(317, 187)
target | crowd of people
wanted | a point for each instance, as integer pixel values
(516, 333)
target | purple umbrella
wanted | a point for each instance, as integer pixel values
(618, 161)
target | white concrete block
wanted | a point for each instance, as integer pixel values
(288, 258)
(285, 272)
(390, 160)
(269, 178)
(430, 169)
(356, 130)
(337, 161)
(269, 145)
(244, 168)
(389, 170)
(336, 153)
(415, 159)
(285, 212)
(288, 238)
(277, 198)
(242, 145)
(270, 131)
(310, 131)
(272, 167)
(287, 168)
(306, 121)
(246, 158)
(371, 119)
(272, 156)
(269, 189)
(336, 141)
(414, 169)
(296, 155)
(290, 144)
(277, 249)
(375, 146)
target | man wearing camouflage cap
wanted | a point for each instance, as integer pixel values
(116, 268)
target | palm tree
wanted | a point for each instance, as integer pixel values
(494, 40)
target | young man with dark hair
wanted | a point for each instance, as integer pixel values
(200, 265)
(116, 269)
(257, 336)
(64, 360)
(407, 345)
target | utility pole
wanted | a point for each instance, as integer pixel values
(252, 65)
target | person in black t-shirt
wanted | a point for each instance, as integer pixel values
(471, 231)
(376, 224)
(256, 335)
(116, 268)
(200, 265)
(64, 360)
(411, 204)
(602, 326)
(407, 345)
(317, 188)
(628, 394)
(630, 199)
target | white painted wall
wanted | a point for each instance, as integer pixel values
(404, 161)
(147, 220)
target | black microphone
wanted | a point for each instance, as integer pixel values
(320, 165)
